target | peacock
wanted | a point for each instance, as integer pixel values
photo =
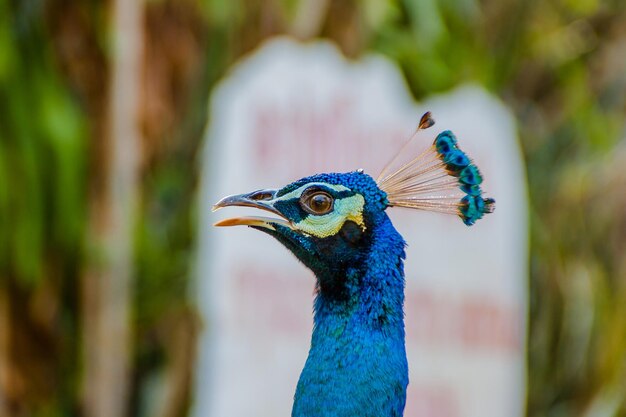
(336, 225)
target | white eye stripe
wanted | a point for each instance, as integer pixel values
(297, 193)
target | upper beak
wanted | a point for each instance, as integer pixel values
(261, 199)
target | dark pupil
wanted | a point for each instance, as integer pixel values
(320, 202)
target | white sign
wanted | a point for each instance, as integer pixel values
(291, 110)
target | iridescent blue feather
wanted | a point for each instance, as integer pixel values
(441, 178)
(357, 363)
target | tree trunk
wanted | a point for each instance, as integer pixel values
(107, 291)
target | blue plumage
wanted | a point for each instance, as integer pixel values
(445, 142)
(336, 225)
(470, 175)
(456, 160)
(441, 178)
(357, 362)
(472, 206)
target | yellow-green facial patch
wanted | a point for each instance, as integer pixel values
(348, 208)
(345, 208)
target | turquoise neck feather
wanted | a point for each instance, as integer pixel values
(357, 361)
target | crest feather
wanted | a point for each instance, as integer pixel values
(441, 178)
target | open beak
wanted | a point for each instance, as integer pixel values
(261, 199)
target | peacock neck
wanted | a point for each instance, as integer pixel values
(357, 361)
(369, 294)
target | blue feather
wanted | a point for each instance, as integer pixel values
(470, 175)
(440, 178)
(445, 142)
(357, 363)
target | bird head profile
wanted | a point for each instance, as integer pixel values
(326, 220)
(336, 225)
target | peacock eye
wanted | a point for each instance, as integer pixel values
(318, 202)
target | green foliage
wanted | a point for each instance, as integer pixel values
(42, 152)
(556, 63)
(43, 138)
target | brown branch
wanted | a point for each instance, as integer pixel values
(107, 285)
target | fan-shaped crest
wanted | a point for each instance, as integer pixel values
(441, 178)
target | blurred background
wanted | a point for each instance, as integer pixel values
(98, 224)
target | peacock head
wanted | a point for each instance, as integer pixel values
(326, 220)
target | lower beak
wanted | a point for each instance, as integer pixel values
(261, 199)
